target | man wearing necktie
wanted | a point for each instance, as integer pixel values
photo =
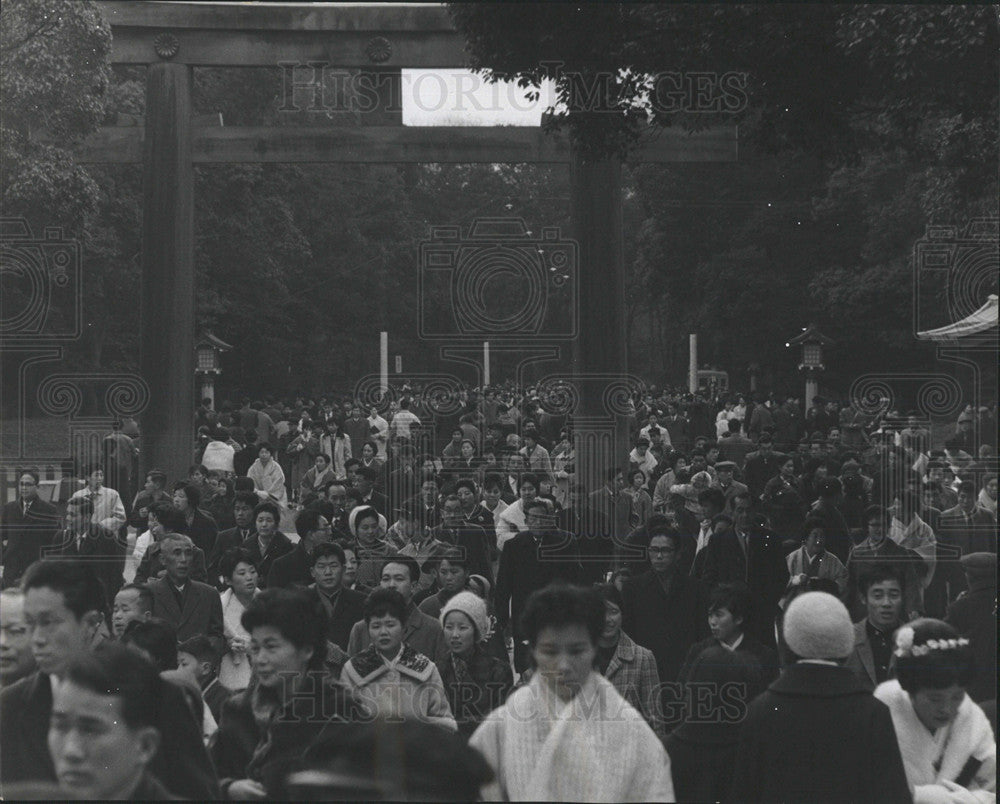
(27, 525)
(84, 541)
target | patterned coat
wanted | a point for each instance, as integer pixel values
(632, 671)
(409, 686)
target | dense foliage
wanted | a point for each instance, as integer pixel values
(862, 125)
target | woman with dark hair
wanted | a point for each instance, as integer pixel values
(641, 502)
(390, 675)
(240, 573)
(948, 747)
(476, 682)
(219, 503)
(267, 476)
(630, 667)
(371, 460)
(703, 750)
(568, 735)
(289, 704)
(198, 525)
(340, 443)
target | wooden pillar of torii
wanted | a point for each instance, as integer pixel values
(171, 39)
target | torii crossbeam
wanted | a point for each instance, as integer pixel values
(173, 38)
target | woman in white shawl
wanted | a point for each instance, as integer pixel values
(237, 567)
(267, 477)
(568, 735)
(946, 741)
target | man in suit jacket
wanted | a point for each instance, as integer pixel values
(27, 525)
(85, 541)
(243, 506)
(751, 554)
(664, 607)
(971, 527)
(881, 591)
(471, 539)
(529, 561)
(344, 607)
(422, 633)
(878, 549)
(191, 607)
(70, 593)
(735, 447)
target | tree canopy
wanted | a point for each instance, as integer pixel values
(859, 126)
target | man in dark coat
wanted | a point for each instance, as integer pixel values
(82, 540)
(817, 734)
(529, 561)
(761, 465)
(70, 593)
(471, 539)
(344, 607)
(876, 549)
(749, 553)
(974, 614)
(971, 527)
(593, 534)
(191, 607)
(27, 525)
(293, 568)
(243, 506)
(664, 608)
(734, 446)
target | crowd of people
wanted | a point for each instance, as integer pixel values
(421, 600)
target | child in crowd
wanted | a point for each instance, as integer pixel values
(197, 658)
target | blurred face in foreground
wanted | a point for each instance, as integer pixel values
(564, 656)
(97, 755)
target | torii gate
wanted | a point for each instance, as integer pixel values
(173, 38)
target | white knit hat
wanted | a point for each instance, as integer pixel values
(817, 626)
(473, 607)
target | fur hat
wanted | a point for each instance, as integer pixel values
(473, 607)
(817, 626)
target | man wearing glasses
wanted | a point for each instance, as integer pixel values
(663, 606)
(529, 561)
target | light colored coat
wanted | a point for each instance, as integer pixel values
(969, 736)
(596, 747)
(409, 686)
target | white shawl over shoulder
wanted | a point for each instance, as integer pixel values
(594, 748)
(968, 737)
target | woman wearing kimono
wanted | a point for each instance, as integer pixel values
(237, 567)
(568, 735)
(267, 477)
(948, 748)
(563, 466)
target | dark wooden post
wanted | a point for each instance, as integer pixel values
(167, 307)
(600, 347)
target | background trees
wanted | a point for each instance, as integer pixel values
(863, 124)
